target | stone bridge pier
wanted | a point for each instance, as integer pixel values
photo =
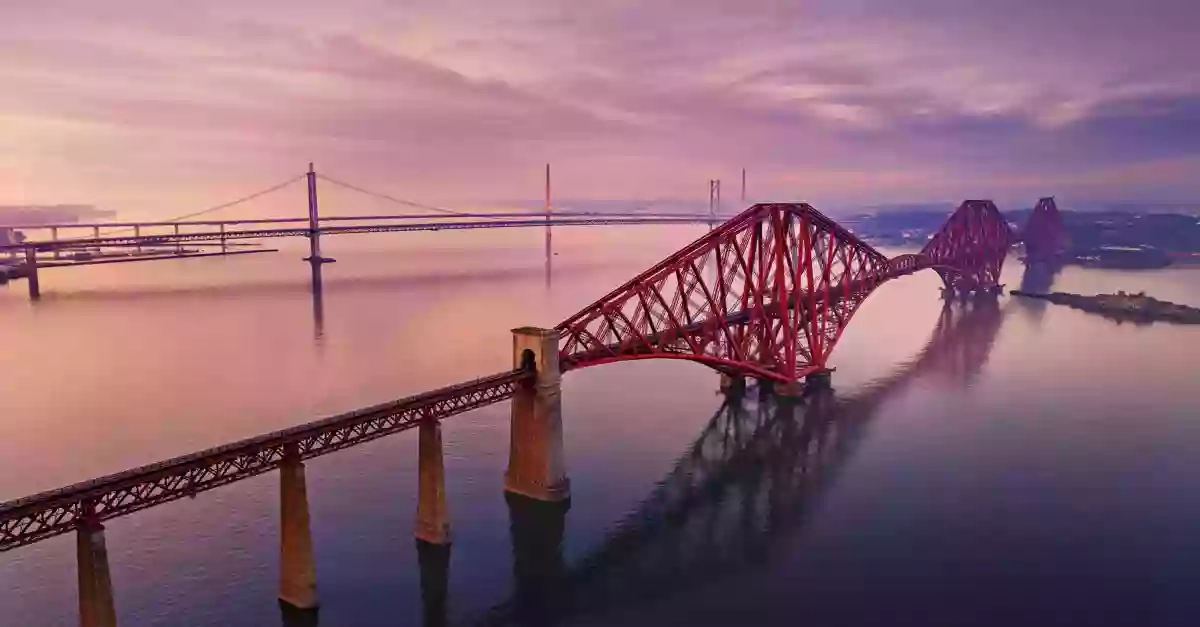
(536, 463)
(96, 607)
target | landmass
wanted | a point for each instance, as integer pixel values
(1123, 307)
(1129, 237)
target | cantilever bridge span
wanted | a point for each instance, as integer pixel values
(767, 295)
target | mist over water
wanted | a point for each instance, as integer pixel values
(1023, 464)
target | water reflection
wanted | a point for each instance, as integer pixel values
(549, 254)
(745, 485)
(1039, 278)
(295, 617)
(267, 290)
(536, 529)
(433, 560)
(318, 302)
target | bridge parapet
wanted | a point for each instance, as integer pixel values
(536, 461)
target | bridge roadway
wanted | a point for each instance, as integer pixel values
(360, 218)
(480, 221)
(40, 516)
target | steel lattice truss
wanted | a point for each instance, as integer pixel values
(1044, 235)
(766, 294)
(969, 250)
(40, 516)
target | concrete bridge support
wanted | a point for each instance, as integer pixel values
(822, 380)
(96, 607)
(297, 568)
(819, 380)
(31, 273)
(790, 390)
(433, 517)
(314, 221)
(536, 463)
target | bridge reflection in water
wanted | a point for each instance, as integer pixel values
(742, 488)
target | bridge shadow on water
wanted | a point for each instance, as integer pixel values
(745, 486)
(1037, 278)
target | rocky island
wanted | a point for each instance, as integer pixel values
(1123, 307)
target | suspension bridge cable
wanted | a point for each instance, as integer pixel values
(246, 198)
(388, 198)
(224, 205)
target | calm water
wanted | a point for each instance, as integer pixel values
(1027, 465)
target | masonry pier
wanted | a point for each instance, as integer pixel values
(820, 380)
(733, 386)
(433, 517)
(297, 568)
(536, 463)
(96, 607)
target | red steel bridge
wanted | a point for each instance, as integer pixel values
(769, 293)
(766, 295)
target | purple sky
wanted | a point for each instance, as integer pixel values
(146, 103)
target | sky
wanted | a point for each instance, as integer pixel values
(166, 106)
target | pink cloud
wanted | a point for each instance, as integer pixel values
(868, 100)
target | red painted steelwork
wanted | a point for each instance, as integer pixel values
(1045, 236)
(769, 293)
(969, 250)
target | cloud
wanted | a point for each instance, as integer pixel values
(851, 99)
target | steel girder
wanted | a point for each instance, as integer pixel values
(766, 294)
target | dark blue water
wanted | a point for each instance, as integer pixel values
(1022, 464)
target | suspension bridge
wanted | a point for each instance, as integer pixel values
(766, 296)
(186, 236)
